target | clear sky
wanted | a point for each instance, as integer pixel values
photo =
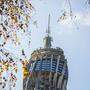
(73, 36)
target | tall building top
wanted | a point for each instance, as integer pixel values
(48, 38)
(47, 67)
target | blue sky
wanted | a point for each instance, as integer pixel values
(73, 38)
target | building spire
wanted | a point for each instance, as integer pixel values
(48, 39)
(48, 30)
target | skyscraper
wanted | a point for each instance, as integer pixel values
(47, 67)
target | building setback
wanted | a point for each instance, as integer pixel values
(47, 68)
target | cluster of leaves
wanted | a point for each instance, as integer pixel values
(69, 13)
(25, 70)
(66, 13)
(9, 65)
(14, 15)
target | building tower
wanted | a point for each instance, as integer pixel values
(47, 67)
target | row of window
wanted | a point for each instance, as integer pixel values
(45, 65)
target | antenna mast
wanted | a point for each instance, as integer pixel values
(48, 30)
(48, 38)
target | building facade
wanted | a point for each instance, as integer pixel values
(47, 68)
